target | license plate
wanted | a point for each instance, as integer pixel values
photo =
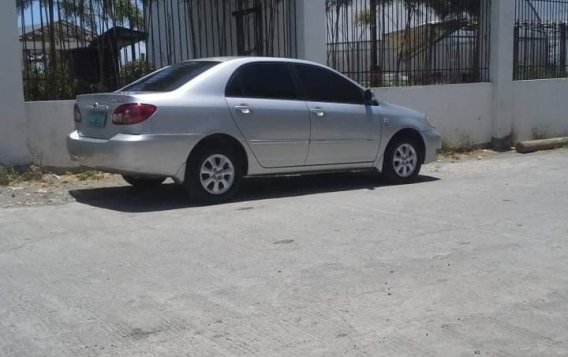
(96, 119)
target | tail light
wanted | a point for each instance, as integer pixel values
(76, 114)
(134, 113)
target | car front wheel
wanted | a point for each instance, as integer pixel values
(403, 161)
(213, 176)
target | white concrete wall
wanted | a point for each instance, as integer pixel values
(13, 150)
(540, 105)
(461, 112)
(47, 124)
(468, 114)
(501, 68)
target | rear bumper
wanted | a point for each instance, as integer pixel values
(433, 142)
(159, 155)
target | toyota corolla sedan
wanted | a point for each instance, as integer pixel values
(208, 123)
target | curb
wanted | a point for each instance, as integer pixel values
(526, 147)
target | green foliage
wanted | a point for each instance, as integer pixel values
(119, 12)
(445, 9)
(41, 85)
(540, 134)
(464, 143)
(95, 15)
(8, 176)
(455, 8)
(336, 4)
(449, 150)
(90, 175)
(135, 70)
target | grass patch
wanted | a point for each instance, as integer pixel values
(90, 175)
(449, 151)
(464, 144)
(540, 134)
(11, 176)
(453, 151)
(8, 176)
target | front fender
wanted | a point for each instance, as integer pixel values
(395, 119)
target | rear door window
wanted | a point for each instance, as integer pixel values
(322, 85)
(267, 80)
(170, 78)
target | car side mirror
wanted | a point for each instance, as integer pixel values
(370, 98)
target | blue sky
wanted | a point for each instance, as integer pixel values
(34, 10)
(33, 16)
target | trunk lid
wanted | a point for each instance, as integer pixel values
(96, 115)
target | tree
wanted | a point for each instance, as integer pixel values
(456, 10)
(273, 6)
(48, 7)
(334, 7)
(412, 8)
(445, 10)
(97, 16)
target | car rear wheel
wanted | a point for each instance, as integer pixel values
(403, 161)
(142, 182)
(213, 176)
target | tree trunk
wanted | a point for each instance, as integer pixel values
(347, 40)
(101, 50)
(406, 39)
(271, 24)
(52, 57)
(43, 48)
(192, 28)
(336, 40)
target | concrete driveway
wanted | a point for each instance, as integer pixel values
(471, 261)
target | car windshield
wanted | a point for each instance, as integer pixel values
(170, 78)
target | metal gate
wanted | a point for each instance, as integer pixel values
(71, 47)
(541, 39)
(409, 42)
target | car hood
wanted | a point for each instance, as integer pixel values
(398, 110)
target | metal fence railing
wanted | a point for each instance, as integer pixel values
(540, 35)
(71, 47)
(404, 42)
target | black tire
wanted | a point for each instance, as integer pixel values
(195, 180)
(142, 182)
(393, 171)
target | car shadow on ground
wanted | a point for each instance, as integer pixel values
(170, 197)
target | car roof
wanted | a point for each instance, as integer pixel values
(247, 59)
(244, 60)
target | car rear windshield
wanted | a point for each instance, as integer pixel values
(170, 78)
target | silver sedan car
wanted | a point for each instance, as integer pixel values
(208, 123)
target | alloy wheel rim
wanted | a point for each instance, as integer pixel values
(405, 160)
(217, 174)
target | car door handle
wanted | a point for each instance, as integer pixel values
(319, 112)
(243, 108)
